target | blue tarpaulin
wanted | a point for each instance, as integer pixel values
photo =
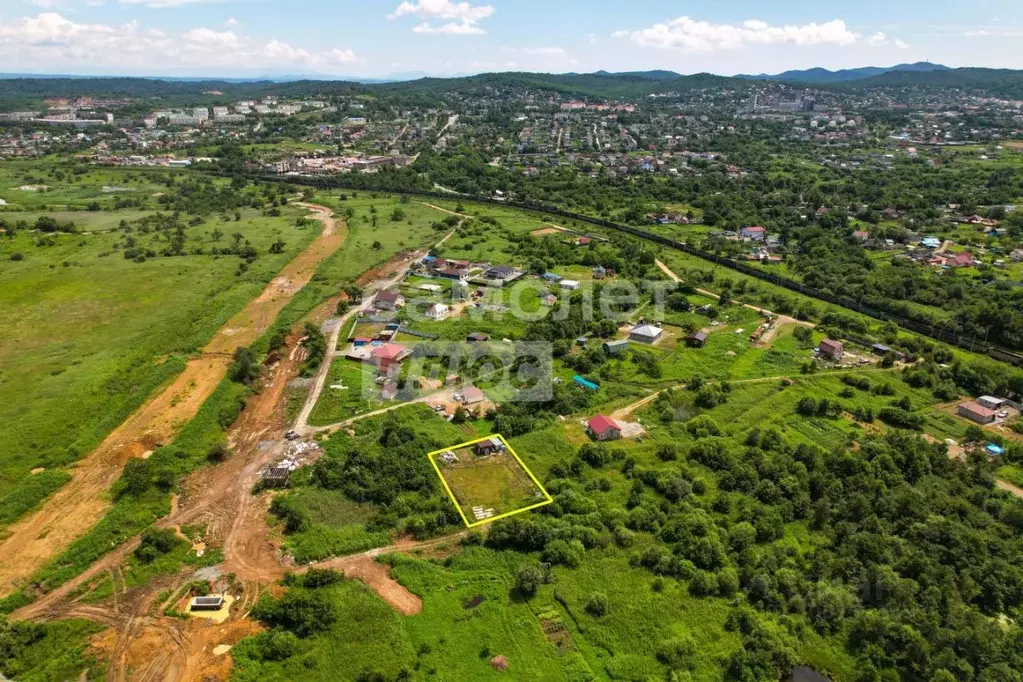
(585, 383)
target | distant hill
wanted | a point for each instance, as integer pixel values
(655, 75)
(824, 76)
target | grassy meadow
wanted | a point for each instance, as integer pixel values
(91, 334)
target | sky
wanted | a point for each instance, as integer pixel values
(382, 38)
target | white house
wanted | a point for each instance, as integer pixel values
(438, 311)
(569, 284)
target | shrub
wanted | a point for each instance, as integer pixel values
(299, 611)
(564, 552)
(597, 605)
(274, 645)
(155, 543)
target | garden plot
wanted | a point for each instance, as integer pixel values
(487, 481)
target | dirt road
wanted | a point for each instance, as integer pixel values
(81, 503)
(302, 422)
(780, 321)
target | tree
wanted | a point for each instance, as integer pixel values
(245, 369)
(277, 246)
(974, 434)
(528, 579)
(804, 335)
(397, 215)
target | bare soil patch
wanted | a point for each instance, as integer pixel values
(377, 577)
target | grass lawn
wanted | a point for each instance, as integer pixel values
(337, 404)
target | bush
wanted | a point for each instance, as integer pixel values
(299, 611)
(564, 552)
(597, 605)
(676, 653)
(17, 255)
(274, 645)
(155, 543)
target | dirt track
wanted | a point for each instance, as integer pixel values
(81, 503)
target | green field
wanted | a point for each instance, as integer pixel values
(92, 334)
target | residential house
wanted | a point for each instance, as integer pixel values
(438, 312)
(551, 277)
(976, 412)
(549, 300)
(831, 349)
(960, 260)
(470, 395)
(477, 337)
(389, 300)
(388, 356)
(603, 428)
(754, 232)
(599, 272)
(583, 241)
(861, 235)
(501, 273)
(645, 333)
(569, 284)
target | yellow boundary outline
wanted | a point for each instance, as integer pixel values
(518, 459)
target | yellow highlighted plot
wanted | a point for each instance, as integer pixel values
(486, 480)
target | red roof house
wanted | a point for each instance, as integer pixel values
(603, 428)
(389, 354)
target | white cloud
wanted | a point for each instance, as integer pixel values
(212, 40)
(880, 39)
(592, 38)
(994, 33)
(452, 28)
(460, 17)
(231, 21)
(690, 35)
(51, 41)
